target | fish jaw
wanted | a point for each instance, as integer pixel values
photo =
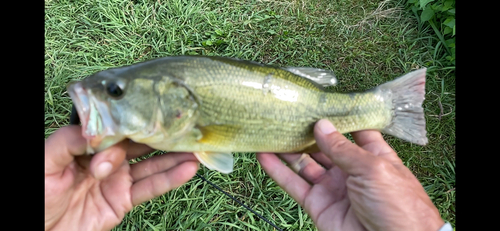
(98, 128)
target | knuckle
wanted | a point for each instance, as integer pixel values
(339, 143)
(149, 168)
(378, 167)
(149, 189)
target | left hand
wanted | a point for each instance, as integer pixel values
(94, 193)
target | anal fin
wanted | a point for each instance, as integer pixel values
(222, 162)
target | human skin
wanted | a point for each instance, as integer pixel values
(354, 186)
(362, 186)
(95, 193)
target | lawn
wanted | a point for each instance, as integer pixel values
(365, 43)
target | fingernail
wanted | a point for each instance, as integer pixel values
(326, 127)
(103, 170)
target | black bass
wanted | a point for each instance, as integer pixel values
(213, 106)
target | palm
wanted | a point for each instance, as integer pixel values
(319, 186)
(334, 211)
(105, 202)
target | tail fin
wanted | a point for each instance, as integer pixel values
(408, 122)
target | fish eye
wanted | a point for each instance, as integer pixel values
(114, 90)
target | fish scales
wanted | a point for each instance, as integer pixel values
(213, 106)
(250, 104)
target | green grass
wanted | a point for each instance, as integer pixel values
(366, 43)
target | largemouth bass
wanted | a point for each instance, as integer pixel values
(213, 106)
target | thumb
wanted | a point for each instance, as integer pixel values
(348, 156)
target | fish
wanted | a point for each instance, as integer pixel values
(214, 106)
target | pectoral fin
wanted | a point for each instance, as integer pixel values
(218, 135)
(222, 162)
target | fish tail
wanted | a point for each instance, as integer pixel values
(407, 94)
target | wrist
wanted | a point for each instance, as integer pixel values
(446, 227)
(433, 221)
(437, 224)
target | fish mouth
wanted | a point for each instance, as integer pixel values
(97, 125)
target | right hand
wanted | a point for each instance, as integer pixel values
(365, 187)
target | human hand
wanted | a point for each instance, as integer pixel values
(95, 193)
(351, 187)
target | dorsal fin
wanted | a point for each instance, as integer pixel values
(322, 77)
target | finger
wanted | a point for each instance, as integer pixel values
(62, 146)
(107, 161)
(114, 188)
(288, 180)
(322, 159)
(160, 183)
(346, 155)
(158, 164)
(136, 150)
(305, 166)
(372, 141)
